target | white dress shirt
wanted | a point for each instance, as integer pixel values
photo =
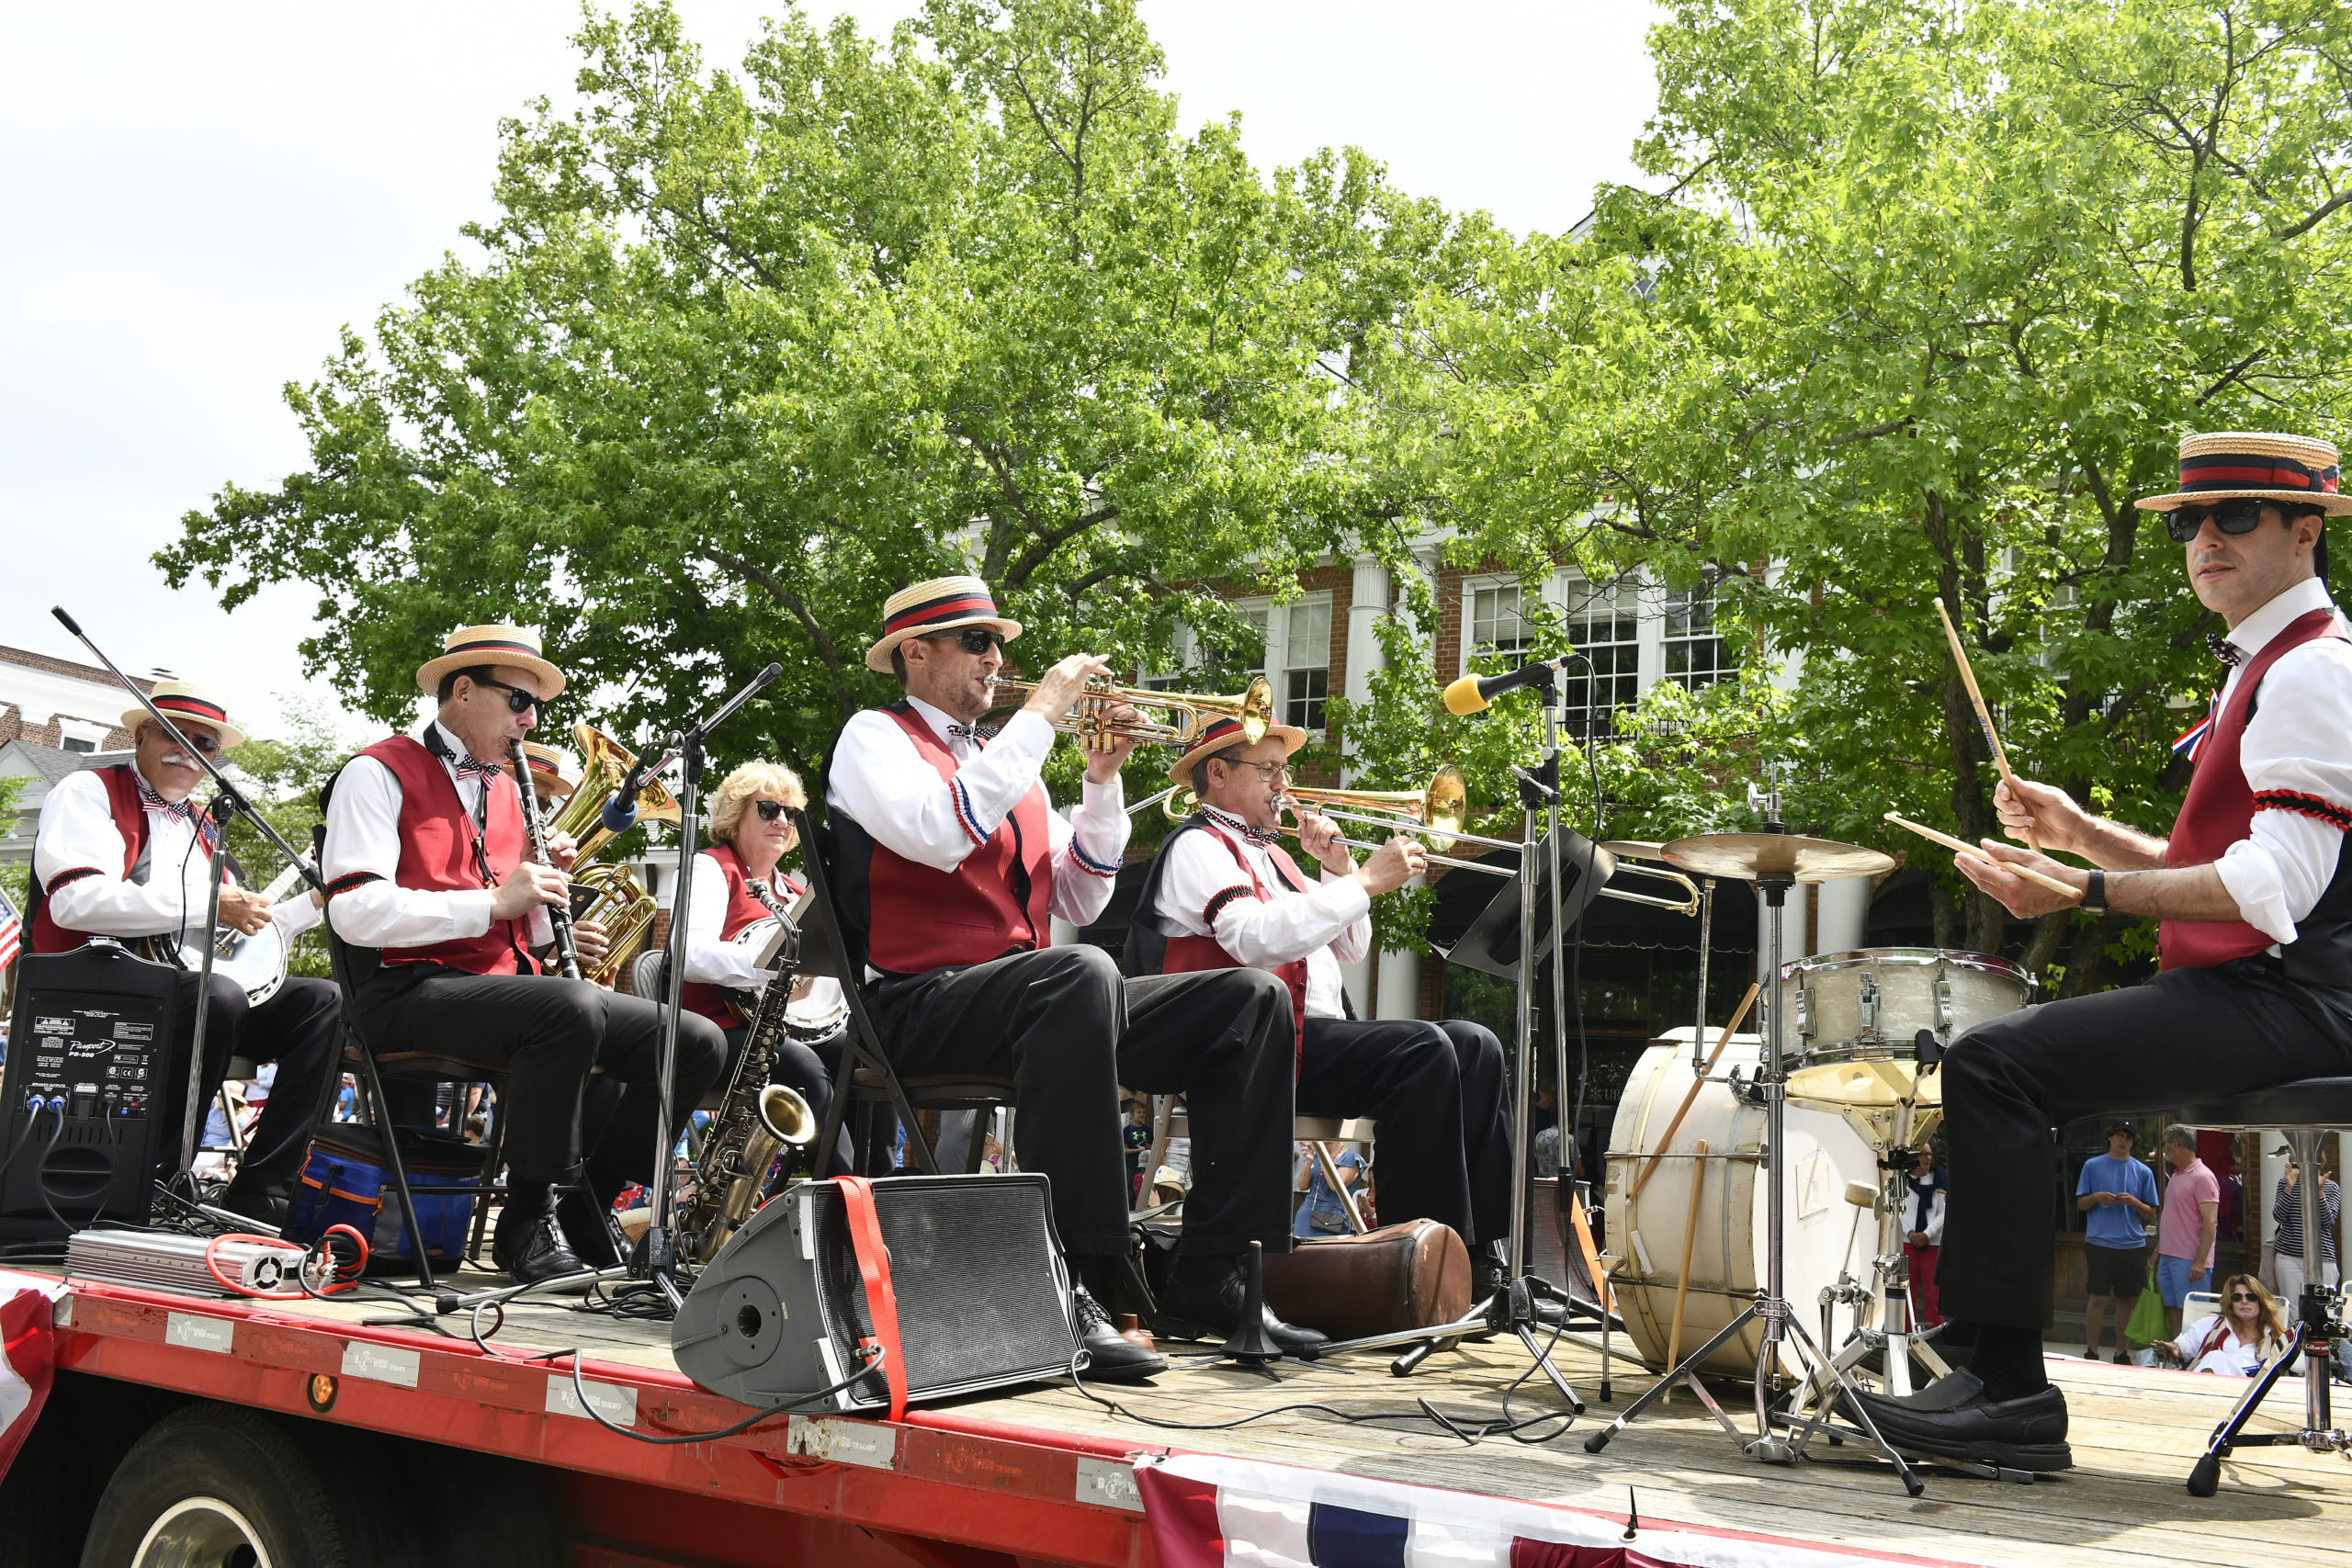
(363, 835)
(77, 830)
(1328, 925)
(2300, 739)
(714, 961)
(899, 799)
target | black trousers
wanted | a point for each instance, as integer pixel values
(545, 1033)
(1069, 1030)
(2188, 1034)
(1444, 1123)
(805, 1072)
(296, 1029)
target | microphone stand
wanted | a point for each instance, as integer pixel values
(659, 1263)
(226, 804)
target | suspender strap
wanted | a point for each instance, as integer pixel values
(874, 1267)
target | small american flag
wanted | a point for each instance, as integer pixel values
(2193, 738)
(12, 933)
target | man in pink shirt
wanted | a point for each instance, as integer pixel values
(2185, 1233)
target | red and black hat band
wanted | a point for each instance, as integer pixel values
(2234, 471)
(955, 607)
(195, 707)
(496, 645)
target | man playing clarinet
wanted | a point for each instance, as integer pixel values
(428, 884)
(2256, 899)
(950, 864)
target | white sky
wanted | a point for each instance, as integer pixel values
(205, 195)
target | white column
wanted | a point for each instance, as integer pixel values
(1363, 651)
(1400, 986)
(1845, 904)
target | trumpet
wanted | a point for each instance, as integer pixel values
(1436, 812)
(1187, 715)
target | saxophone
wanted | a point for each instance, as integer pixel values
(755, 1121)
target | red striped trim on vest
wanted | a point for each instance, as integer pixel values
(2302, 805)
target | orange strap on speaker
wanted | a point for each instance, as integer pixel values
(874, 1267)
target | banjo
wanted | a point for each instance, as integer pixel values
(256, 962)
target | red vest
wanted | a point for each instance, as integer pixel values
(1187, 953)
(2220, 806)
(742, 909)
(438, 855)
(997, 902)
(130, 821)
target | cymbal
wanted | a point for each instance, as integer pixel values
(1635, 848)
(1749, 856)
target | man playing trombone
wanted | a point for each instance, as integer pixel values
(949, 863)
(1224, 893)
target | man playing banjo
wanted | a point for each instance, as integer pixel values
(2255, 900)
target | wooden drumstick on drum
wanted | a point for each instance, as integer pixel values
(1983, 714)
(1738, 1017)
(1959, 846)
(1690, 1236)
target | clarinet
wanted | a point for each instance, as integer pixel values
(559, 915)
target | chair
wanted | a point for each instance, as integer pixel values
(865, 1076)
(2305, 1112)
(1171, 1119)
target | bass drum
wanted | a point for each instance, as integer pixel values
(1825, 1234)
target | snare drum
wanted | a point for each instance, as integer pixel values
(1853, 1018)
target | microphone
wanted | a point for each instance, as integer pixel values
(619, 814)
(68, 622)
(1473, 692)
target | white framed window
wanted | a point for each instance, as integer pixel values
(1695, 653)
(1495, 622)
(1257, 616)
(1604, 625)
(1306, 683)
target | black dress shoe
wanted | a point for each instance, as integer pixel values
(1112, 1357)
(588, 1229)
(530, 1246)
(1952, 1418)
(1189, 1310)
(269, 1208)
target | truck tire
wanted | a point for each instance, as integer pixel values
(219, 1486)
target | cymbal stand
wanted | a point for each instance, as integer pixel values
(1770, 1307)
(1512, 1309)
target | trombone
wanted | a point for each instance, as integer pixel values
(1187, 715)
(1437, 813)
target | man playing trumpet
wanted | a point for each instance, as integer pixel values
(2256, 899)
(1223, 894)
(428, 884)
(950, 864)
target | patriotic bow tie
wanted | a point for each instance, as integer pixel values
(978, 734)
(1254, 834)
(184, 809)
(2223, 649)
(482, 771)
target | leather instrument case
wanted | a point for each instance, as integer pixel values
(1413, 1275)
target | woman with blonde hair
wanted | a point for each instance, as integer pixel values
(751, 827)
(2237, 1341)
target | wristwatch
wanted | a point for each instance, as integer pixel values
(2094, 896)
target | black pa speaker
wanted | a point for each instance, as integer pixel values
(971, 1262)
(90, 1051)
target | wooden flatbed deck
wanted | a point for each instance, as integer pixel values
(2135, 1434)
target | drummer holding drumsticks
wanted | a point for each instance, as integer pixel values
(2255, 900)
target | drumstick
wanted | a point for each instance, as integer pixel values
(1948, 842)
(1737, 1018)
(1983, 714)
(1682, 1280)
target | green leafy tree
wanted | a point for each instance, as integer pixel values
(1925, 297)
(743, 352)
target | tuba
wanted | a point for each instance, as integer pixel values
(613, 898)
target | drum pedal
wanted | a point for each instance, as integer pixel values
(1930, 1049)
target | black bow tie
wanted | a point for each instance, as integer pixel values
(977, 734)
(2223, 649)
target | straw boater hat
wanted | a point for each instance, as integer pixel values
(547, 772)
(1225, 730)
(940, 606)
(470, 645)
(185, 702)
(2262, 464)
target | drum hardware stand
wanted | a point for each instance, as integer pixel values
(656, 1261)
(226, 804)
(1770, 1306)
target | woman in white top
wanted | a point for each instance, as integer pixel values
(2237, 1340)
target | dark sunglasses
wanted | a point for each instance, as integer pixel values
(971, 639)
(202, 740)
(769, 810)
(2239, 514)
(517, 699)
(2244, 1296)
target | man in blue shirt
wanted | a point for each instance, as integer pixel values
(2119, 1194)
